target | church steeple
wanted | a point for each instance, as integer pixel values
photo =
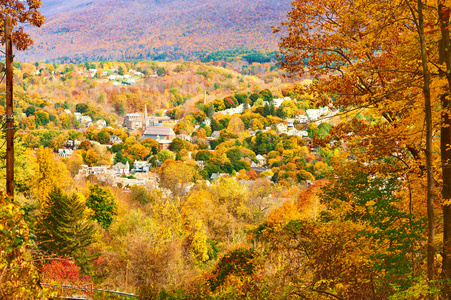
(145, 118)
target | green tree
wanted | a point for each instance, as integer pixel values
(64, 228)
(161, 72)
(234, 154)
(103, 137)
(267, 95)
(203, 155)
(152, 144)
(177, 145)
(82, 107)
(165, 154)
(41, 118)
(253, 97)
(102, 202)
(210, 110)
(30, 111)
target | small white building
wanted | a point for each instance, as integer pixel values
(115, 139)
(121, 169)
(141, 166)
(100, 123)
(261, 159)
(314, 114)
(65, 152)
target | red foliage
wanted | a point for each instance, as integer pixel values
(63, 271)
(252, 175)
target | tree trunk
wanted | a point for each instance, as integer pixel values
(445, 141)
(428, 119)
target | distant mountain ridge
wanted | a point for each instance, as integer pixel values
(80, 30)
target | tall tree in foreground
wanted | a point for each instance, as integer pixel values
(367, 61)
(444, 9)
(419, 23)
(18, 279)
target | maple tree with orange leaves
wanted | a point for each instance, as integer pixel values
(22, 12)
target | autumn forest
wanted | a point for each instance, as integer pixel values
(314, 165)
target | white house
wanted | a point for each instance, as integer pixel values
(65, 152)
(115, 139)
(207, 122)
(141, 166)
(281, 128)
(314, 114)
(278, 102)
(100, 123)
(302, 119)
(234, 111)
(121, 169)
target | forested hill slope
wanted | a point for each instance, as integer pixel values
(79, 30)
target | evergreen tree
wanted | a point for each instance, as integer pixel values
(246, 104)
(210, 110)
(64, 230)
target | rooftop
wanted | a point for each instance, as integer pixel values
(159, 131)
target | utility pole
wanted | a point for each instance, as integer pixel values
(9, 108)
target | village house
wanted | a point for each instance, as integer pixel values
(163, 135)
(261, 160)
(234, 111)
(314, 114)
(141, 166)
(281, 128)
(278, 102)
(65, 152)
(121, 169)
(128, 182)
(302, 119)
(69, 144)
(83, 120)
(100, 123)
(115, 139)
(85, 170)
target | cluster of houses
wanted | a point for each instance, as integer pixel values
(121, 175)
(160, 129)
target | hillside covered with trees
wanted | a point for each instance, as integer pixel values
(163, 30)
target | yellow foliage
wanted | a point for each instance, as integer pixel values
(48, 172)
